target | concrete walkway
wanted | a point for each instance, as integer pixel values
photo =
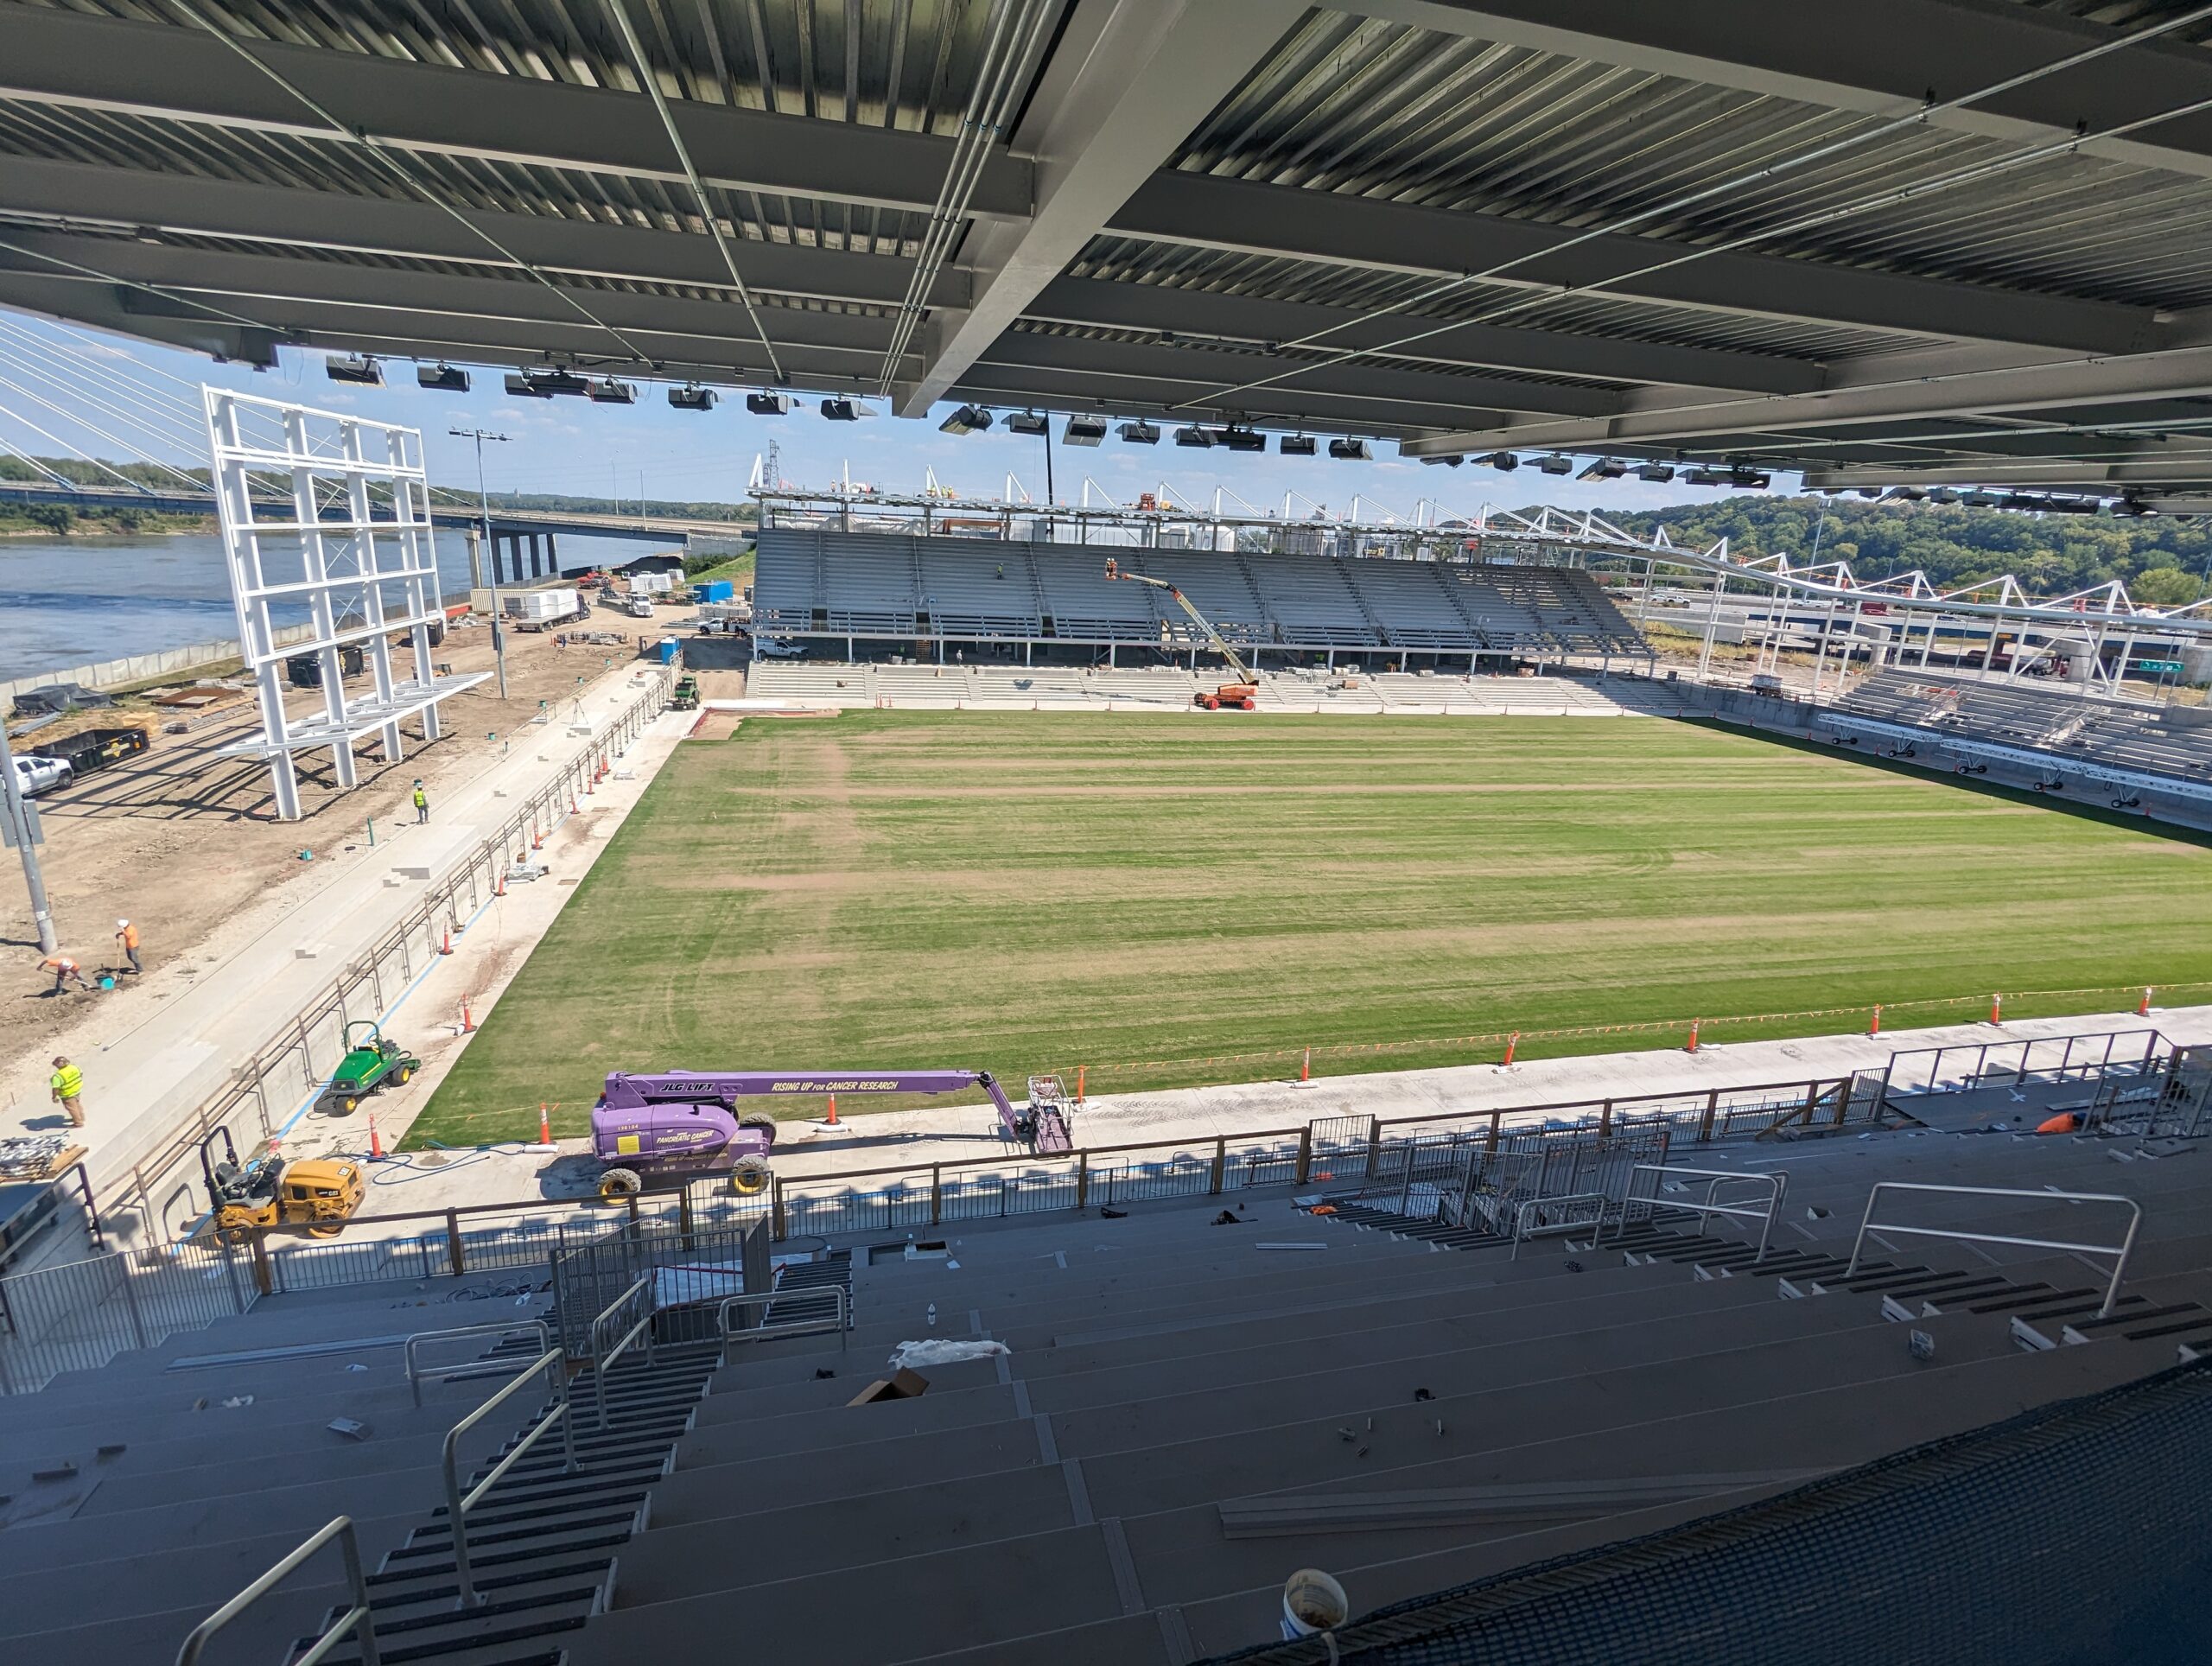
(146, 1066)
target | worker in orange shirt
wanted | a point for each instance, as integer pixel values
(63, 969)
(127, 935)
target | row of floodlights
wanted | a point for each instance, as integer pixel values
(1738, 476)
(366, 371)
(1092, 430)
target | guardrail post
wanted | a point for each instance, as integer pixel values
(130, 1300)
(1812, 1098)
(684, 1217)
(1843, 1100)
(1374, 1148)
(1705, 1122)
(937, 1193)
(1082, 1179)
(1605, 1120)
(263, 1280)
(1497, 1121)
(1220, 1162)
(778, 1225)
(452, 1243)
(1305, 1155)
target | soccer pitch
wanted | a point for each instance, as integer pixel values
(1160, 899)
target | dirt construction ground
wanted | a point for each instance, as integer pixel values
(178, 839)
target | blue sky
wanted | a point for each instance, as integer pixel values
(572, 446)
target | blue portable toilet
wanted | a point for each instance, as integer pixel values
(667, 646)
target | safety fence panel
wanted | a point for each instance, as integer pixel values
(78, 1317)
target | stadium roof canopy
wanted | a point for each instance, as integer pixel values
(1934, 241)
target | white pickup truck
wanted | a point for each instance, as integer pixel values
(35, 775)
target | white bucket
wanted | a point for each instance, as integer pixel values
(1313, 1603)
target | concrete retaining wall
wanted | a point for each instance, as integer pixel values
(145, 667)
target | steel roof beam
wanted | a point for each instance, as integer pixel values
(1252, 319)
(1370, 234)
(1126, 81)
(263, 287)
(1892, 56)
(187, 75)
(1123, 396)
(2104, 477)
(79, 194)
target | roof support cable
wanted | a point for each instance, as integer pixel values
(77, 362)
(383, 155)
(1737, 184)
(1006, 64)
(124, 446)
(124, 418)
(136, 486)
(650, 82)
(97, 387)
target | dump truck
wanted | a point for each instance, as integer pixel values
(317, 1192)
(665, 1127)
(373, 1062)
(1243, 695)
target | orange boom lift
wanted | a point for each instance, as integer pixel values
(1243, 695)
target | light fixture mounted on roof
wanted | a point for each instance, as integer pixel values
(1198, 438)
(1139, 433)
(1903, 494)
(1451, 460)
(1657, 473)
(967, 419)
(544, 384)
(1504, 462)
(1703, 476)
(527, 387)
(1556, 464)
(1351, 451)
(841, 411)
(444, 378)
(612, 393)
(691, 396)
(1297, 445)
(1748, 480)
(1242, 439)
(1084, 432)
(1028, 422)
(1978, 498)
(768, 404)
(1604, 469)
(359, 369)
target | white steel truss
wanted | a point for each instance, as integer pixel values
(349, 538)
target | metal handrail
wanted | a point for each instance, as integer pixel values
(842, 1319)
(2121, 1252)
(356, 1619)
(602, 1358)
(551, 1362)
(1776, 1180)
(1522, 1230)
(414, 1377)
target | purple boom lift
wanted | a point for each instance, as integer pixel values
(674, 1123)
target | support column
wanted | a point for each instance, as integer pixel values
(553, 554)
(475, 559)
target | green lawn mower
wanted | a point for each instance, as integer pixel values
(373, 1062)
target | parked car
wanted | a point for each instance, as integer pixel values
(36, 775)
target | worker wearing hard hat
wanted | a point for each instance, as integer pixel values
(64, 968)
(127, 935)
(68, 1084)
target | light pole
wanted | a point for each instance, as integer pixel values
(18, 817)
(484, 511)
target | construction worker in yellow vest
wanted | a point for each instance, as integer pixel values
(421, 804)
(68, 1085)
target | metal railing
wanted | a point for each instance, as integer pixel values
(1522, 1230)
(448, 1374)
(355, 1621)
(809, 1297)
(2120, 1252)
(1776, 1180)
(552, 1362)
(602, 1357)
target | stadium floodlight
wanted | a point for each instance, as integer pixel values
(1351, 451)
(2071, 505)
(544, 385)
(442, 378)
(1504, 462)
(1870, 491)
(1903, 494)
(1941, 494)
(360, 369)
(768, 404)
(1556, 464)
(1748, 480)
(1704, 476)
(691, 396)
(1657, 473)
(841, 411)
(527, 387)
(612, 393)
(1604, 469)
(1451, 461)
(1200, 438)
(1297, 445)
(1978, 498)
(1242, 439)
(968, 419)
(1084, 430)
(1028, 422)
(2133, 507)
(1139, 433)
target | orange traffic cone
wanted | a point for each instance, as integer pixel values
(1875, 1028)
(500, 889)
(831, 1119)
(1305, 1066)
(376, 1140)
(1997, 1008)
(536, 843)
(468, 1023)
(2143, 1006)
(1511, 1042)
(544, 1131)
(1692, 1047)
(445, 946)
(1079, 1070)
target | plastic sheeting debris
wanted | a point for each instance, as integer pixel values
(940, 1351)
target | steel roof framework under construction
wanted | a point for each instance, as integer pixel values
(1947, 241)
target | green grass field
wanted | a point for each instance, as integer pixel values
(1142, 895)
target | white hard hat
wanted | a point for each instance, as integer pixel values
(123, 922)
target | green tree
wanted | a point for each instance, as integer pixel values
(2164, 587)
